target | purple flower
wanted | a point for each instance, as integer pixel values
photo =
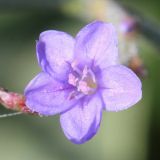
(80, 78)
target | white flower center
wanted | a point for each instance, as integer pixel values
(84, 80)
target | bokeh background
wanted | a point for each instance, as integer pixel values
(133, 134)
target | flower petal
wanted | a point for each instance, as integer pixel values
(97, 43)
(82, 122)
(121, 88)
(48, 96)
(54, 50)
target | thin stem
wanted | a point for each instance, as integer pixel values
(10, 114)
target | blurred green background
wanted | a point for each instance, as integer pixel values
(133, 134)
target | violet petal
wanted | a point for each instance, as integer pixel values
(97, 43)
(121, 88)
(47, 96)
(54, 51)
(82, 122)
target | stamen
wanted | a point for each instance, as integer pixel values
(85, 81)
(72, 79)
(75, 94)
(83, 87)
(92, 75)
(75, 68)
(85, 72)
(71, 95)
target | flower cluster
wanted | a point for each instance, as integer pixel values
(80, 78)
